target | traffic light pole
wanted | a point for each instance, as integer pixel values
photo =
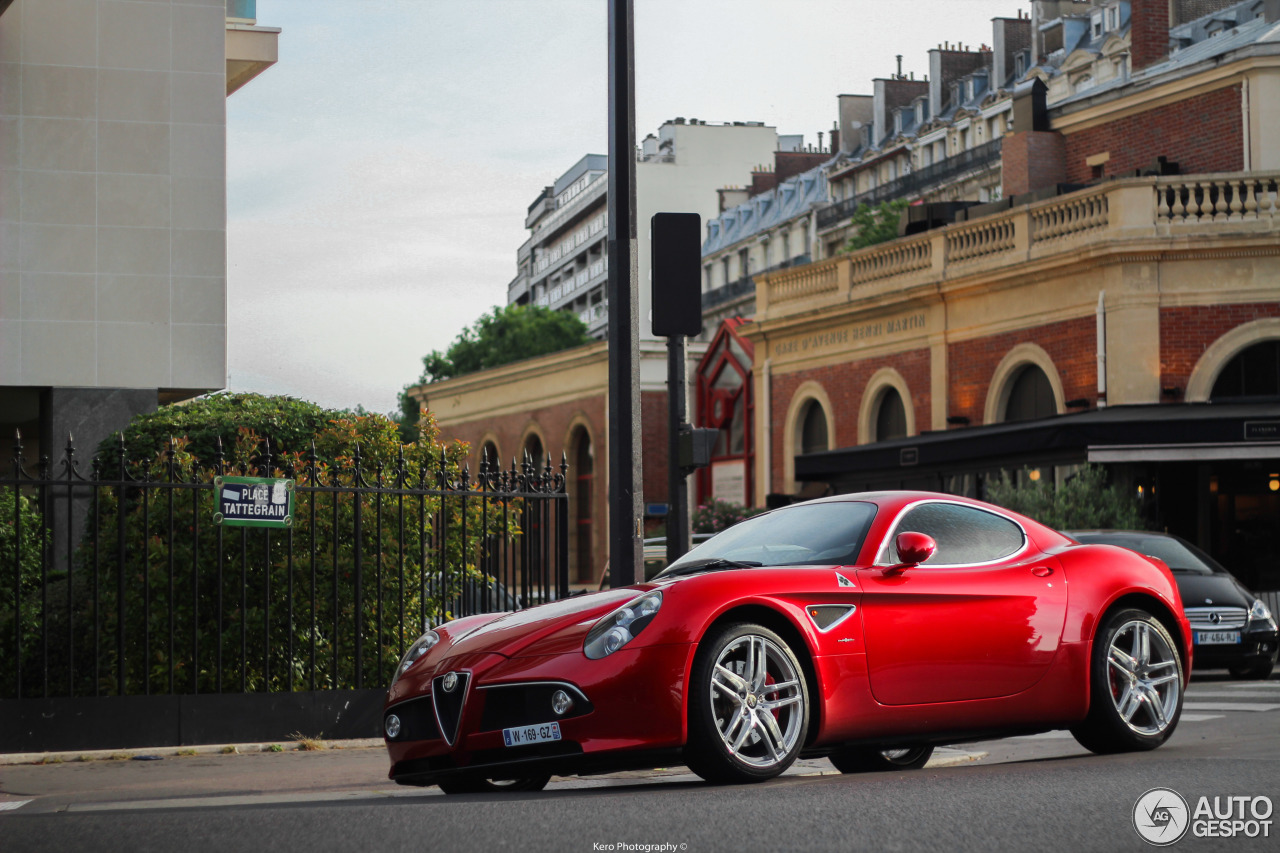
(625, 498)
(677, 479)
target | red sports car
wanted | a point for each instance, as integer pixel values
(866, 628)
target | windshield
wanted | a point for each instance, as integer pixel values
(824, 534)
(1178, 555)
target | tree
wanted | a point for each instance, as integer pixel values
(877, 224)
(505, 335)
(1083, 502)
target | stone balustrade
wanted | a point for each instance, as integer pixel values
(1122, 211)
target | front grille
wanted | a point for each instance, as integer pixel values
(1215, 618)
(449, 703)
(527, 704)
(417, 720)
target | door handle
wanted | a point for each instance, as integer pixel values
(1042, 571)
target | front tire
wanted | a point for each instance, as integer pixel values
(871, 760)
(1135, 681)
(1254, 671)
(748, 705)
(490, 786)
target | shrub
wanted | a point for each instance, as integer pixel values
(716, 515)
(1084, 501)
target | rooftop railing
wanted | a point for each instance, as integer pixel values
(914, 183)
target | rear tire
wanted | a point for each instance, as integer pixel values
(872, 760)
(1135, 685)
(748, 705)
(489, 786)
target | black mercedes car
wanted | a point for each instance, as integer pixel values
(1231, 626)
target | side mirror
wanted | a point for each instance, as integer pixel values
(914, 548)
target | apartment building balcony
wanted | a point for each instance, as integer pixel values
(1188, 216)
(594, 192)
(518, 290)
(915, 183)
(251, 49)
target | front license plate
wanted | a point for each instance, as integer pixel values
(1217, 638)
(531, 734)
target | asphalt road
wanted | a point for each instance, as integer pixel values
(1033, 793)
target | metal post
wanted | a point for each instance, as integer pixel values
(625, 498)
(677, 482)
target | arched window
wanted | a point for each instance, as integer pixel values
(489, 456)
(891, 416)
(533, 448)
(812, 435)
(1253, 372)
(1030, 395)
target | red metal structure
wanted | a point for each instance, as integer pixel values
(725, 400)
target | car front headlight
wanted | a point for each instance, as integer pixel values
(621, 626)
(1259, 612)
(419, 648)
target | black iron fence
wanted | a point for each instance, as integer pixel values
(117, 579)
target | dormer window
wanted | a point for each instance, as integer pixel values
(1020, 63)
(1113, 17)
(1097, 24)
(897, 121)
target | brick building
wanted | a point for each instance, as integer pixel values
(1134, 322)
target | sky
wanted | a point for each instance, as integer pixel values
(379, 174)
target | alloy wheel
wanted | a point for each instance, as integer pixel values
(757, 701)
(1143, 675)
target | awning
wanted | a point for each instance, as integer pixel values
(1163, 432)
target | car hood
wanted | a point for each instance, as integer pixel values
(513, 633)
(1217, 590)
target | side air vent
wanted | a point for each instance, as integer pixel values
(827, 616)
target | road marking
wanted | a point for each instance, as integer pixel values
(1274, 685)
(1199, 718)
(13, 804)
(1228, 706)
(241, 800)
(1201, 694)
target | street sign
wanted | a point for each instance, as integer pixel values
(253, 502)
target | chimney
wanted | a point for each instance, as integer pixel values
(1033, 156)
(856, 112)
(835, 137)
(1011, 35)
(1148, 33)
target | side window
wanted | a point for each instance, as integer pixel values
(964, 534)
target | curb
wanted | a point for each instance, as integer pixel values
(182, 751)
